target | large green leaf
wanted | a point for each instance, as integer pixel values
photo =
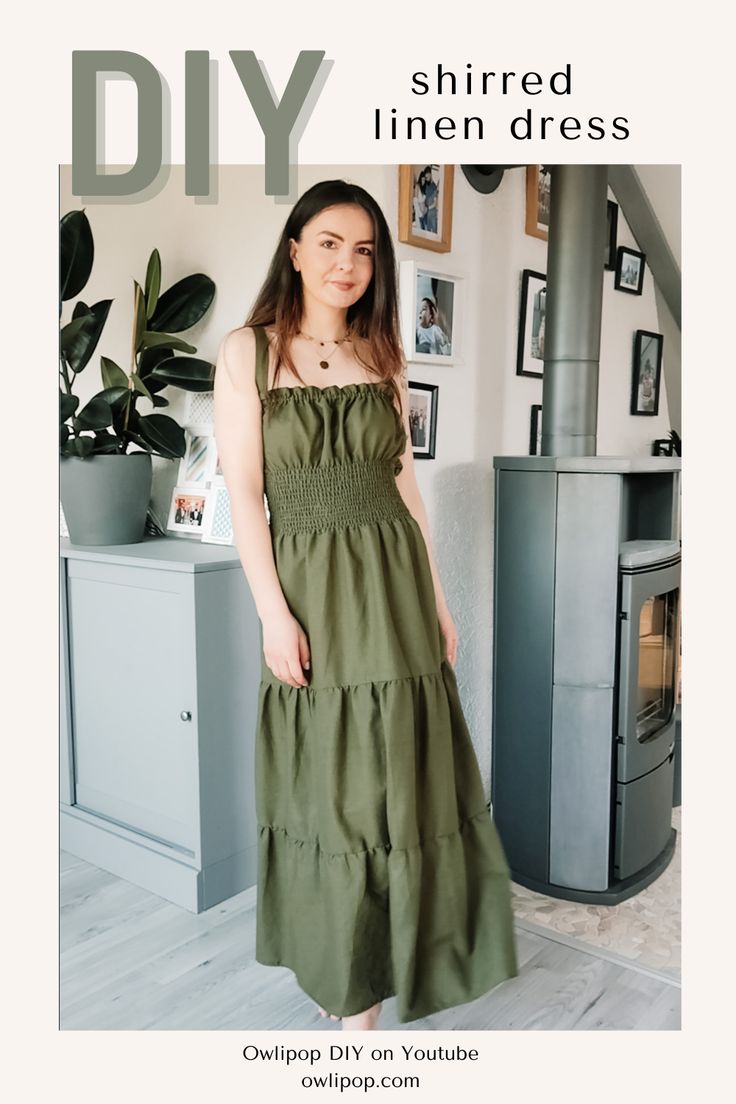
(79, 337)
(188, 373)
(95, 415)
(112, 374)
(163, 435)
(183, 304)
(82, 446)
(139, 310)
(153, 282)
(67, 405)
(124, 413)
(140, 385)
(113, 394)
(76, 254)
(138, 440)
(106, 442)
(147, 361)
(151, 340)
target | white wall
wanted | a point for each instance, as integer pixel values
(483, 407)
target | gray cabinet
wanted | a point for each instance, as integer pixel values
(160, 672)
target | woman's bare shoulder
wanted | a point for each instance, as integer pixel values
(240, 341)
(238, 354)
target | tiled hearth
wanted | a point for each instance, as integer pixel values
(645, 928)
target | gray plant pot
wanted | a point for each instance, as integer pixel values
(105, 497)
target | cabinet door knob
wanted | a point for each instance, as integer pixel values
(185, 715)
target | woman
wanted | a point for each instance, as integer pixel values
(380, 870)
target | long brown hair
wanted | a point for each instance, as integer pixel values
(373, 318)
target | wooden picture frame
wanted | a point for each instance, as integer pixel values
(414, 229)
(538, 192)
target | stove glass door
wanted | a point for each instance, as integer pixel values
(657, 653)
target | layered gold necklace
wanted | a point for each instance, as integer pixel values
(324, 361)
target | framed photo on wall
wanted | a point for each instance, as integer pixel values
(199, 463)
(217, 526)
(647, 371)
(532, 306)
(629, 270)
(535, 430)
(538, 190)
(609, 261)
(430, 314)
(423, 399)
(199, 410)
(425, 206)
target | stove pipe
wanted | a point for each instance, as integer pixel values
(575, 262)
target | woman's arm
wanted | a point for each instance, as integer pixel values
(239, 437)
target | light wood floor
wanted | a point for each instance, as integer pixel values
(131, 960)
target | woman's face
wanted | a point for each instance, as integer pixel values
(335, 255)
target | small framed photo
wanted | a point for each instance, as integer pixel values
(199, 463)
(532, 306)
(535, 430)
(217, 526)
(430, 314)
(425, 206)
(187, 510)
(199, 410)
(629, 270)
(538, 191)
(647, 372)
(423, 399)
(609, 256)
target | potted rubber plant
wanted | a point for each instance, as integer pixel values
(106, 489)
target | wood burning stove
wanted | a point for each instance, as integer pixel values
(586, 635)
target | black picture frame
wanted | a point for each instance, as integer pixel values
(646, 373)
(610, 252)
(535, 430)
(632, 259)
(423, 401)
(531, 324)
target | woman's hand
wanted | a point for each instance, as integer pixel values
(286, 649)
(449, 632)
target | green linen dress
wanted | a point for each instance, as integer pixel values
(380, 870)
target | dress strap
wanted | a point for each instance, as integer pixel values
(261, 359)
